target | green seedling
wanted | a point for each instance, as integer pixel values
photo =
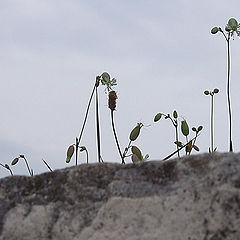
(15, 161)
(231, 28)
(105, 80)
(211, 93)
(174, 120)
(137, 155)
(6, 166)
(84, 149)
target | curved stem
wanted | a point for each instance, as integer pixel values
(228, 96)
(116, 139)
(212, 122)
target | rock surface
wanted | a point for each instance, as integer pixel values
(192, 198)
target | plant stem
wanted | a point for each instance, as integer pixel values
(116, 139)
(177, 138)
(98, 128)
(228, 96)
(47, 165)
(212, 122)
(30, 172)
(84, 123)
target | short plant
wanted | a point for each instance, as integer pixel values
(211, 93)
(21, 156)
(231, 28)
(6, 166)
(184, 129)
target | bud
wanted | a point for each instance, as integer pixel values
(216, 90)
(185, 128)
(112, 97)
(15, 161)
(175, 115)
(70, 152)
(105, 77)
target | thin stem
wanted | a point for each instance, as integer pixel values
(30, 172)
(8, 168)
(126, 149)
(87, 155)
(116, 139)
(98, 128)
(176, 128)
(228, 96)
(212, 122)
(47, 165)
(84, 123)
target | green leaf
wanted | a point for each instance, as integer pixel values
(82, 148)
(175, 114)
(15, 161)
(7, 167)
(196, 148)
(206, 92)
(135, 132)
(137, 151)
(214, 30)
(179, 144)
(185, 128)
(216, 90)
(146, 157)
(189, 147)
(200, 128)
(70, 153)
(157, 117)
(194, 129)
(135, 158)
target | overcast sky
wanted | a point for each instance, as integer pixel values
(161, 53)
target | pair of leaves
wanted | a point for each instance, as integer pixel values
(71, 150)
(137, 155)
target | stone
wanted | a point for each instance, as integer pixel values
(196, 197)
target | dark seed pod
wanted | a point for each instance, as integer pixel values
(15, 161)
(70, 152)
(112, 97)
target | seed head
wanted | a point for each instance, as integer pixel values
(112, 97)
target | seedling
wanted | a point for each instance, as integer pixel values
(7, 167)
(215, 91)
(105, 80)
(15, 161)
(231, 28)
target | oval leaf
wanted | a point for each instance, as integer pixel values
(135, 133)
(175, 114)
(232, 23)
(70, 152)
(135, 158)
(196, 148)
(15, 161)
(214, 30)
(137, 151)
(157, 117)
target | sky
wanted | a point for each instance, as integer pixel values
(161, 53)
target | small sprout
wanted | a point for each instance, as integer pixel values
(135, 132)
(157, 117)
(82, 148)
(206, 92)
(216, 90)
(15, 161)
(70, 153)
(175, 115)
(185, 128)
(214, 30)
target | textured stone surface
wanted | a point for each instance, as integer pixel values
(193, 198)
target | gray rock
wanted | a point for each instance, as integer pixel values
(192, 198)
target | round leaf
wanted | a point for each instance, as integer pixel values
(216, 90)
(232, 23)
(206, 92)
(70, 152)
(135, 133)
(15, 161)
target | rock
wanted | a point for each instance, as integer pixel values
(192, 198)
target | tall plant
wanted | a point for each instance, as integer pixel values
(231, 28)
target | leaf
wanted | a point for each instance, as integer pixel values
(135, 158)
(185, 128)
(216, 90)
(196, 148)
(146, 157)
(7, 167)
(70, 153)
(157, 117)
(137, 151)
(82, 148)
(135, 132)
(15, 161)
(179, 144)
(214, 30)
(189, 147)
(200, 128)
(206, 92)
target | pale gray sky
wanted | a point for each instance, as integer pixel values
(161, 53)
